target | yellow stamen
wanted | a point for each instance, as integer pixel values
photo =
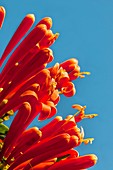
(90, 116)
(81, 109)
(88, 140)
(80, 74)
(87, 73)
(52, 85)
(10, 112)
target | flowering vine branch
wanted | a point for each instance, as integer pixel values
(29, 88)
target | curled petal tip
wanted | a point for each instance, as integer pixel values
(2, 15)
(78, 107)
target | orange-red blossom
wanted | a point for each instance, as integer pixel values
(30, 88)
(47, 147)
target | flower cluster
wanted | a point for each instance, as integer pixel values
(29, 88)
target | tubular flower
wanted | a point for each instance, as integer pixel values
(29, 88)
(20, 32)
(45, 144)
(80, 162)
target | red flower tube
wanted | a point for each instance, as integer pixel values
(77, 163)
(43, 148)
(29, 42)
(23, 28)
(25, 141)
(53, 152)
(15, 130)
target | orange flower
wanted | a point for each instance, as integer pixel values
(48, 148)
(30, 89)
(56, 145)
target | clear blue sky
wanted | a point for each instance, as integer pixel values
(86, 33)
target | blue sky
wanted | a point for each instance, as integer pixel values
(86, 33)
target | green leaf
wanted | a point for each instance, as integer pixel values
(3, 129)
(1, 120)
